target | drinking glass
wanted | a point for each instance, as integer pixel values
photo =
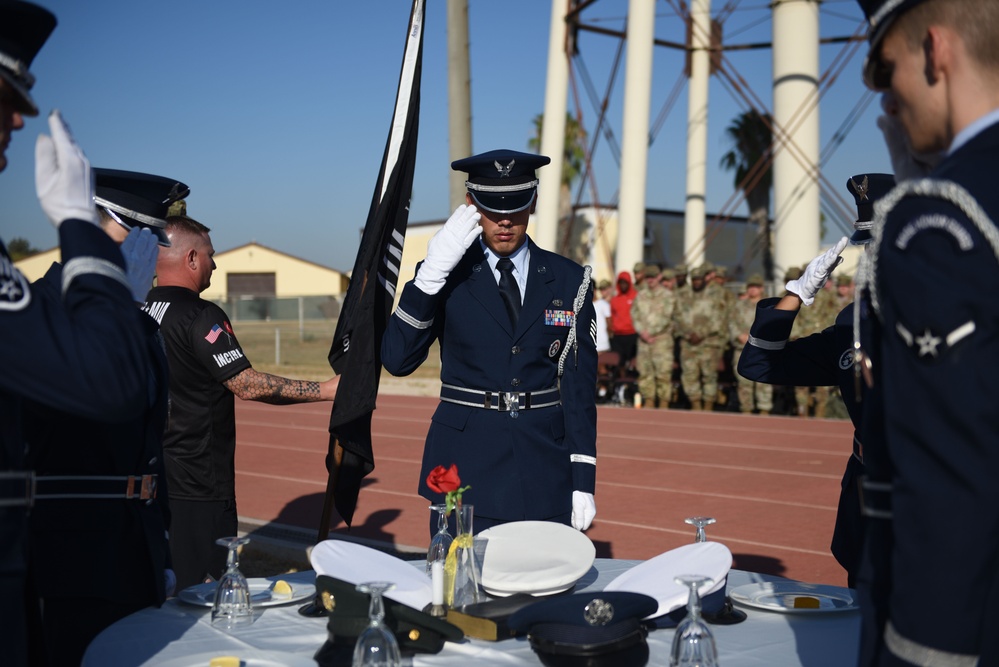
(232, 607)
(376, 646)
(441, 542)
(693, 643)
(699, 522)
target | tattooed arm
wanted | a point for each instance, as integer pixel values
(251, 385)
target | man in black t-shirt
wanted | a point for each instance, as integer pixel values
(207, 369)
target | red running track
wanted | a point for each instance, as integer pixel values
(772, 483)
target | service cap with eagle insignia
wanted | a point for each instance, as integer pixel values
(133, 198)
(24, 27)
(591, 629)
(867, 189)
(502, 181)
(880, 14)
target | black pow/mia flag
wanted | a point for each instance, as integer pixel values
(355, 354)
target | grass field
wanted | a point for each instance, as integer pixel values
(282, 348)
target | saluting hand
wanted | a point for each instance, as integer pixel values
(447, 247)
(817, 273)
(63, 179)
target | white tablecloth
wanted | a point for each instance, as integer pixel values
(181, 635)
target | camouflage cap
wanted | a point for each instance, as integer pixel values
(604, 284)
(709, 267)
(638, 268)
(792, 273)
(668, 274)
(651, 270)
(844, 280)
(721, 270)
(681, 269)
(698, 271)
(755, 279)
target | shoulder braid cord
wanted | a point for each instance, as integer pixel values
(948, 191)
(577, 306)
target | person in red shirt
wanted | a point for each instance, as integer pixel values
(625, 339)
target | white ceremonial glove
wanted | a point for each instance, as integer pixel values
(63, 179)
(817, 273)
(170, 582)
(447, 247)
(584, 508)
(140, 249)
(906, 164)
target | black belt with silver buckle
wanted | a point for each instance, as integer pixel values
(875, 498)
(24, 488)
(503, 401)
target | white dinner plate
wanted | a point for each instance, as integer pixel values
(250, 658)
(655, 576)
(783, 596)
(536, 557)
(203, 595)
(357, 564)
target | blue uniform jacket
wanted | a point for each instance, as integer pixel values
(524, 467)
(63, 444)
(936, 286)
(821, 360)
(80, 353)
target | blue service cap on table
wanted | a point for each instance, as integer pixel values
(588, 629)
(133, 198)
(502, 181)
(24, 27)
(880, 15)
(867, 189)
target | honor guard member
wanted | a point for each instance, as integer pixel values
(821, 359)
(41, 336)
(933, 279)
(108, 474)
(518, 353)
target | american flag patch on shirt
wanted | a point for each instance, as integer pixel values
(559, 318)
(214, 334)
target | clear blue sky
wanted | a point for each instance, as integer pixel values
(276, 113)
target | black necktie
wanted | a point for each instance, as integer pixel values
(508, 289)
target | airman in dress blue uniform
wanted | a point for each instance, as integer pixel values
(92, 460)
(72, 350)
(822, 359)
(929, 583)
(518, 353)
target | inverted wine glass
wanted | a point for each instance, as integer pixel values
(699, 522)
(231, 608)
(376, 646)
(693, 643)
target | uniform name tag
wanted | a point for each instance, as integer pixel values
(559, 318)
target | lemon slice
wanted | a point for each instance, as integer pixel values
(281, 589)
(225, 661)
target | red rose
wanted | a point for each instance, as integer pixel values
(444, 480)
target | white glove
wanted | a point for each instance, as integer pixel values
(63, 178)
(906, 164)
(584, 508)
(170, 582)
(140, 249)
(447, 247)
(817, 273)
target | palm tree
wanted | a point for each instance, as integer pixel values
(750, 157)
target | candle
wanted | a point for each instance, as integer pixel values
(437, 576)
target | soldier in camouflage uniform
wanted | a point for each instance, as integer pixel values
(716, 283)
(812, 400)
(699, 318)
(642, 274)
(652, 315)
(741, 318)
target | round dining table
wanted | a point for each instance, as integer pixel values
(180, 634)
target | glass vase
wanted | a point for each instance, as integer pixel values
(461, 572)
